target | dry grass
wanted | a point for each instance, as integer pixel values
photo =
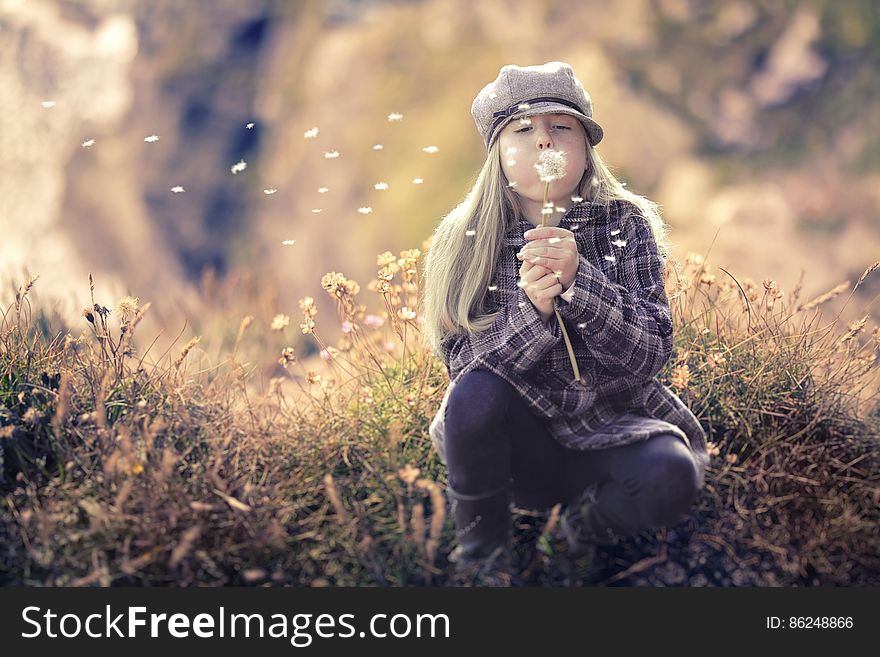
(190, 469)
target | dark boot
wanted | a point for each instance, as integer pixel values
(579, 523)
(484, 555)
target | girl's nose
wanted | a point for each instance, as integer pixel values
(544, 142)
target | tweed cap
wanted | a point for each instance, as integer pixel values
(521, 91)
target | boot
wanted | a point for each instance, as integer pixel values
(484, 555)
(578, 523)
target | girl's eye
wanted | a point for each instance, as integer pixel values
(528, 127)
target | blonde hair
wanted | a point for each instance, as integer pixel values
(458, 266)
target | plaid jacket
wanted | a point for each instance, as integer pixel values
(620, 327)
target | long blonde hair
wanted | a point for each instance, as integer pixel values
(458, 266)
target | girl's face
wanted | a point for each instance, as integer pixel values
(522, 141)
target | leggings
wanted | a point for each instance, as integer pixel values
(491, 437)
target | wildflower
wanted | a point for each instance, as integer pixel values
(151, 138)
(270, 190)
(87, 313)
(409, 474)
(406, 314)
(394, 116)
(712, 448)
(386, 258)
(280, 322)
(769, 284)
(708, 279)
(137, 468)
(89, 143)
(177, 189)
(346, 326)
(374, 321)
(127, 307)
(385, 274)
(308, 326)
(681, 377)
(715, 359)
(366, 395)
(288, 357)
(329, 353)
(307, 305)
(338, 286)
(313, 377)
(551, 165)
(430, 149)
(311, 133)
(731, 458)
(241, 165)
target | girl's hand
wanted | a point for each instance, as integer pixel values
(555, 249)
(541, 286)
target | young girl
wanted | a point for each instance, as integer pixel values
(613, 444)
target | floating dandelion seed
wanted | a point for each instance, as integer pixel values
(380, 186)
(311, 133)
(430, 149)
(417, 181)
(511, 150)
(331, 155)
(610, 258)
(48, 104)
(492, 94)
(249, 126)
(576, 199)
(470, 233)
(551, 165)
(271, 190)
(615, 231)
(553, 240)
(523, 106)
(151, 139)
(240, 166)
(316, 210)
(394, 116)
(366, 210)
(492, 288)
(620, 243)
(178, 189)
(288, 242)
(560, 209)
(280, 322)
(87, 144)
(511, 163)
(525, 121)
(511, 184)
(323, 190)
(378, 147)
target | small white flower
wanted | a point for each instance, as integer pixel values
(323, 190)
(249, 126)
(271, 190)
(240, 166)
(87, 144)
(178, 189)
(331, 155)
(377, 147)
(381, 186)
(417, 181)
(151, 138)
(366, 210)
(48, 104)
(430, 149)
(288, 242)
(311, 133)
(551, 165)
(394, 116)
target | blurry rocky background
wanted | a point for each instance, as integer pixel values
(754, 124)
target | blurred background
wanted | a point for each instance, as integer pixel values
(753, 123)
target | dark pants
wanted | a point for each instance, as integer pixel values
(491, 437)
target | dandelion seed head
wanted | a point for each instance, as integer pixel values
(551, 165)
(311, 133)
(241, 165)
(151, 138)
(417, 181)
(331, 155)
(381, 186)
(323, 190)
(430, 149)
(365, 210)
(177, 189)
(88, 143)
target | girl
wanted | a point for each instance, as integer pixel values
(601, 434)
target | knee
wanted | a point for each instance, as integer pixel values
(672, 487)
(478, 403)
